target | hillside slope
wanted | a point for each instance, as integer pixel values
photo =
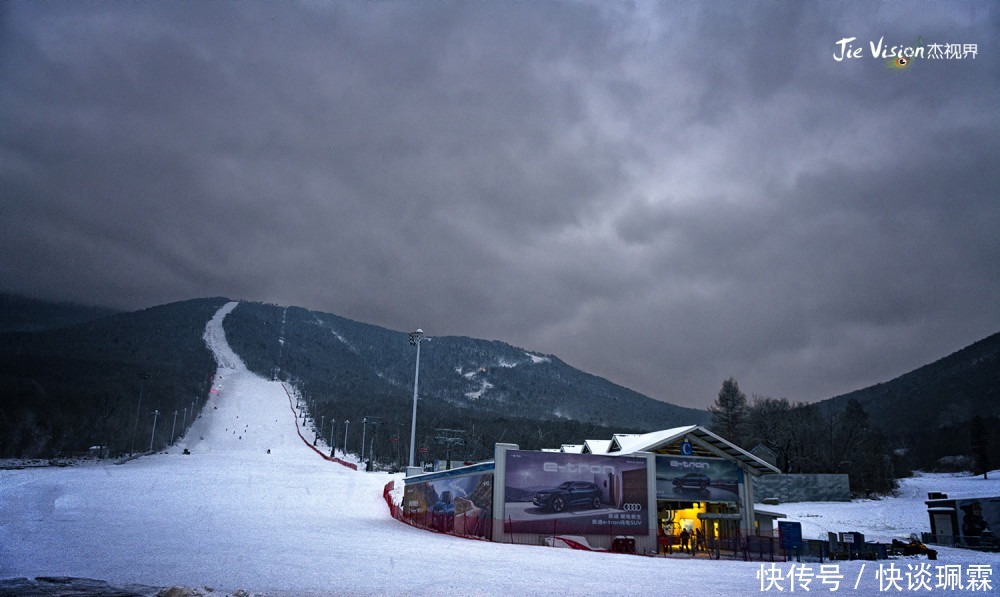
(928, 410)
(98, 383)
(491, 390)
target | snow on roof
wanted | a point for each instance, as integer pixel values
(622, 444)
(647, 442)
(596, 446)
(628, 443)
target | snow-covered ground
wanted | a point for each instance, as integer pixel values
(232, 516)
(891, 518)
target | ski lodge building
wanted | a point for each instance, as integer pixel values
(632, 492)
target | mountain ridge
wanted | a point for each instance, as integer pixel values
(350, 370)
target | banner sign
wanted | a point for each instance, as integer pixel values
(979, 520)
(562, 494)
(791, 535)
(697, 479)
(458, 505)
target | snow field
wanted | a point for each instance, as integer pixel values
(231, 516)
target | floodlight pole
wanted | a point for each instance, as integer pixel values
(173, 428)
(415, 338)
(333, 436)
(364, 427)
(156, 413)
(138, 409)
(346, 423)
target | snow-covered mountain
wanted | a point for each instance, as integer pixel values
(254, 509)
(491, 390)
(103, 369)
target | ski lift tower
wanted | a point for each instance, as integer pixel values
(449, 438)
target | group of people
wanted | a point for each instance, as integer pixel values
(699, 540)
(689, 542)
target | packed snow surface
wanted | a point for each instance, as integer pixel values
(232, 516)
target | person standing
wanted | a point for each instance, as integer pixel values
(685, 540)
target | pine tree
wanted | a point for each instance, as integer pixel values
(730, 412)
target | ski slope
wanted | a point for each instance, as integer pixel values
(232, 516)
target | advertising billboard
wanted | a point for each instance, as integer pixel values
(458, 505)
(559, 493)
(979, 520)
(697, 479)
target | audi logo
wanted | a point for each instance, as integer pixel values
(632, 507)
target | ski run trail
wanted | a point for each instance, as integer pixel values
(234, 518)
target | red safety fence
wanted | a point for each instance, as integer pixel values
(349, 465)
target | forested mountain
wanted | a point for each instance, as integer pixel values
(929, 412)
(72, 377)
(98, 383)
(943, 416)
(492, 391)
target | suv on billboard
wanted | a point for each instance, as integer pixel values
(692, 481)
(570, 493)
(443, 513)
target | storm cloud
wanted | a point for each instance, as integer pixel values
(665, 194)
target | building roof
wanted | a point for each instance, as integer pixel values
(650, 442)
(596, 446)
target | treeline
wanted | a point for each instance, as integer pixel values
(438, 426)
(806, 438)
(98, 383)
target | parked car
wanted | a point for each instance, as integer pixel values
(692, 481)
(570, 493)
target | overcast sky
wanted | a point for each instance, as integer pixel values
(663, 194)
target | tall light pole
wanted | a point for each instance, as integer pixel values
(333, 436)
(364, 427)
(415, 339)
(138, 409)
(174, 428)
(346, 423)
(156, 413)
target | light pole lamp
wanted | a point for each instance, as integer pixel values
(138, 409)
(364, 427)
(152, 435)
(415, 339)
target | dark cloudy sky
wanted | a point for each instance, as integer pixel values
(664, 194)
